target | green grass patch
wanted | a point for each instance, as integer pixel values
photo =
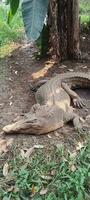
(12, 32)
(58, 176)
(85, 13)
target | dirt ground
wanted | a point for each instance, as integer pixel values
(17, 72)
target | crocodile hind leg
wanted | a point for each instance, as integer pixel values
(77, 101)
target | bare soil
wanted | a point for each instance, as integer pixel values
(17, 72)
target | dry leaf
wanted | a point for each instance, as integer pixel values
(26, 152)
(11, 97)
(6, 170)
(80, 145)
(10, 189)
(22, 153)
(82, 120)
(9, 142)
(33, 190)
(3, 146)
(39, 146)
(63, 66)
(53, 172)
(29, 152)
(49, 136)
(70, 70)
(43, 191)
(85, 67)
(73, 168)
(56, 134)
(10, 103)
(16, 72)
(46, 177)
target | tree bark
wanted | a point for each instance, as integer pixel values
(64, 28)
(73, 28)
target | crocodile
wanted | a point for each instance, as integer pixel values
(55, 102)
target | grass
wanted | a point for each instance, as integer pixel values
(12, 32)
(9, 33)
(58, 176)
(85, 13)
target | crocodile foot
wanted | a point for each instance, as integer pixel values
(78, 102)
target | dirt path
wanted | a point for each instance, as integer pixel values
(17, 72)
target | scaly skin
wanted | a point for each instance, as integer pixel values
(53, 108)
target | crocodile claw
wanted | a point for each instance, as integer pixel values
(81, 131)
(78, 103)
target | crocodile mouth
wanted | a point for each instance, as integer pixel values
(39, 120)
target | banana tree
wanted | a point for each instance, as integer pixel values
(33, 13)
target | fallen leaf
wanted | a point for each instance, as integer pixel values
(16, 72)
(3, 146)
(53, 172)
(82, 120)
(70, 70)
(11, 97)
(39, 146)
(85, 67)
(49, 136)
(9, 142)
(33, 190)
(26, 152)
(46, 177)
(80, 145)
(43, 191)
(6, 170)
(56, 134)
(29, 152)
(73, 168)
(22, 153)
(10, 189)
(63, 66)
(10, 103)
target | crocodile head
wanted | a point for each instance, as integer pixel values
(40, 119)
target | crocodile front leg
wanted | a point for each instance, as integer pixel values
(77, 101)
(71, 116)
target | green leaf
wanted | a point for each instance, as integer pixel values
(14, 4)
(34, 12)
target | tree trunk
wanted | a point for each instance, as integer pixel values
(64, 28)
